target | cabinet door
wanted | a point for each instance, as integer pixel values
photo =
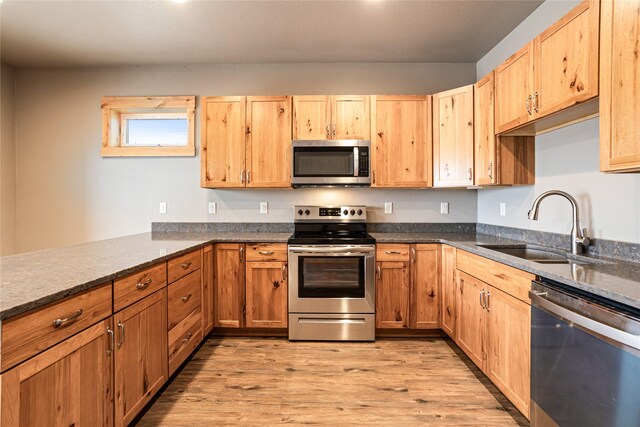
(509, 346)
(267, 295)
(311, 117)
(403, 144)
(69, 384)
(207, 289)
(425, 289)
(514, 90)
(620, 86)
(472, 321)
(392, 294)
(449, 291)
(453, 137)
(566, 60)
(350, 117)
(486, 165)
(268, 141)
(141, 365)
(230, 285)
(223, 142)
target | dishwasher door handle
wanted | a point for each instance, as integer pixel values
(613, 335)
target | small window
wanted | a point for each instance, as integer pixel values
(148, 126)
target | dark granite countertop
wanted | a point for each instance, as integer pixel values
(33, 279)
(613, 279)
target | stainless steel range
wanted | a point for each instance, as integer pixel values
(331, 275)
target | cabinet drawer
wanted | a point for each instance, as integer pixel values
(514, 282)
(183, 265)
(133, 288)
(184, 297)
(392, 252)
(267, 252)
(29, 334)
(183, 339)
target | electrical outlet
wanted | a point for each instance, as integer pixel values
(503, 209)
(212, 207)
(444, 207)
(264, 207)
(388, 207)
(163, 207)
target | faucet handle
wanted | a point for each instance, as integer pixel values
(583, 239)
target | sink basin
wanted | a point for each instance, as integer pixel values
(531, 254)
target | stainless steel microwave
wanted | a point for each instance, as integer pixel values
(342, 163)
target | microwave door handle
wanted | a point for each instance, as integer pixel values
(356, 160)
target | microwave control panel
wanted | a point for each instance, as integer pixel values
(363, 158)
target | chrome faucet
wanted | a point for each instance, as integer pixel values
(579, 237)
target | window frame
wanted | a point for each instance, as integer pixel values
(116, 110)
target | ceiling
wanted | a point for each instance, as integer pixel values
(111, 32)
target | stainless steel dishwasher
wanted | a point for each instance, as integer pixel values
(585, 359)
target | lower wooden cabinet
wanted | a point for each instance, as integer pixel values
(392, 294)
(266, 288)
(141, 365)
(68, 384)
(208, 268)
(449, 291)
(425, 287)
(472, 322)
(230, 291)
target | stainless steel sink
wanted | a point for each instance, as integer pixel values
(541, 256)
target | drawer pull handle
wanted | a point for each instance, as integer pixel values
(186, 265)
(186, 297)
(265, 252)
(111, 340)
(393, 252)
(284, 273)
(121, 327)
(61, 322)
(143, 285)
(185, 340)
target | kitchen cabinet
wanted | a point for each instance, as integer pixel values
(392, 286)
(425, 286)
(471, 318)
(318, 117)
(619, 86)
(141, 365)
(402, 152)
(266, 288)
(449, 290)
(453, 137)
(208, 268)
(230, 285)
(68, 384)
(557, 70)
(246, 142)
(498, 160)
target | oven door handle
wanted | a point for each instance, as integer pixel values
(331, 251)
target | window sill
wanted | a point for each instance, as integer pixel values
(148, 151)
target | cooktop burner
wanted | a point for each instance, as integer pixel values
(330, 225)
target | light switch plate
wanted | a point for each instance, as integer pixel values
(444, 207)
(264, 207)
(162, 208)
(388, 207)
(212, 207)
(503, 209)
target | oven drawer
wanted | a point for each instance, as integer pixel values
(332, 327)
(392, 252)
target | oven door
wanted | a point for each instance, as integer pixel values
(344, 162)
(332, 279)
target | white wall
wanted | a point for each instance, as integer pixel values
(566, 159)
(68, 194)
(7, 161)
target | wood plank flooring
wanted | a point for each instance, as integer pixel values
(262, 381)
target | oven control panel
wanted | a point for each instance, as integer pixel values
(356, 213)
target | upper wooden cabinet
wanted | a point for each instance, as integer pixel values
(453, 138)
(619, 86)
(246, 141)
(402, 152)
(498, 160)
(331, 117)
(558, 69)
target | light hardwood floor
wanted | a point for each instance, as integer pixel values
(266, 381)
